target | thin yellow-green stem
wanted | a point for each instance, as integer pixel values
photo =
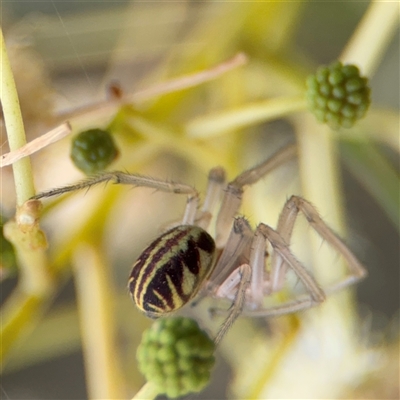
(320, 180)
(147, 392)
(368, 44)
(35, 287)
(15, 128)
(94, 293)
(36, 282)
(227, 121)
(18, 317)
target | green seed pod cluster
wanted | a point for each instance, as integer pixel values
(176, 356)
(93, 150)
(338, 95)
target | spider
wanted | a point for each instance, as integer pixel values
(185, 261)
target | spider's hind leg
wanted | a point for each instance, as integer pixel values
(250, 289)
(287, 218)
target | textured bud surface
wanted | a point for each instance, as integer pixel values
(93, 150)
(176, 356)
(338, 95)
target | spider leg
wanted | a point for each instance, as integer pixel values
(233, 195)
(238, 304)
(281, 247)
(215, 186)
(256, 247)
(236, 252)
(248, 282)
(255, 287)
(282, 258)
(134, 180)
(285, 228)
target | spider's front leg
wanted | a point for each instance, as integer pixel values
(135, 180)
(233, 194)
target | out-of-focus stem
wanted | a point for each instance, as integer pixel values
(36, 283)
(147, 392)
(317, 147)
(368, 44)
(319, 171)
(14, 125)
(35, 145)
(241, 117)
(94, 292)
(18, 317)
(98, 110)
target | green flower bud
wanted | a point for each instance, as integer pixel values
(338, 95)
(93, 150)
(176, 356)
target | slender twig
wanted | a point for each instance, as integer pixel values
(173, 85)
(190, 80)
(35, 145)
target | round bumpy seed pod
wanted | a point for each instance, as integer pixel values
(93, 150)
(338, 95)
(176, 356)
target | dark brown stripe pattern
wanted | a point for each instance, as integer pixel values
(170, 271)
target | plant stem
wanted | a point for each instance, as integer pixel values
(36, 283)
(147, 392)
(94, 292)
(368, 44)
(219, 123)
(15, 128)
(376, 174)
(319, 171)
(317, 146)
(26, 304)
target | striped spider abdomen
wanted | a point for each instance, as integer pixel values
(171, 270)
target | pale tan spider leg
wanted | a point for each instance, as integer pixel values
(233, 194)
(282, 256)
(285, 227)
(238, 304)
(135, 180)
(256, 246)
(281, 247)
(301, 303)
(236, 252)
(256, 284)
(215, 186)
